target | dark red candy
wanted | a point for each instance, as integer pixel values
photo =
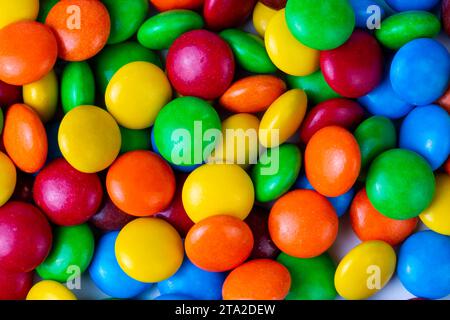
(222, 14)
(15, 285)
(25, 237)
(335, 112)
(200, 64)
(263, 247)
(9, 94)
(68, 196)
(355, 68)
(275, 4)
(446, 15)
(110, 218)
(24, 187)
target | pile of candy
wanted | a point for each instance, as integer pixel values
(116, 159)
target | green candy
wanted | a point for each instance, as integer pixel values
(320, 24)
(1, 120)
(115, 56)
(44, 8)
(311, 279)
(375, 135)
(126, 17)
(400, 184)
(401, 28)
(135, 139)
(180, 129)
(72, 251)
(161, 30)
(77, 86)
(286, 164)
(315, 86)
(249, 50)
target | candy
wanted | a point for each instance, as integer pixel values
(320, 24)
(42, 96)
(446, 15)
(9, 94)
(365, 270)
(161, 30)
(25, 235)
(44, 8)
(405, 5)
(289, 55)
(332, 161)
(262, 15)
(81, 27)
(315, 87)
(249, 51)
(15, 285)
(109, 217)
(136, 93)
(149, 250)
(89, 138)
(283, 118)
(228, 237)
(400, 184)
(222, 14)
(218, 189)
(365, 10)
(413, 66)
(444, 101)
(260, 279)
(213, 61)
(7, 178)
(165, 5)
(107, 274)
(253, 94)
(71, 253)
(276, 4)
(355, 68)
(423, 264)
(77, 86)
(312, 279)
(23, 62)
(135, 139)
(50, 290)
(272, 178)
(24, 138)
(303, 224)
(13, 11)
(68, 197)
(426, 130)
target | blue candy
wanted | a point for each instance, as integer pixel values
(424, 265)
(426, 130)
(420, 71)
(194, 282)
(406, 5)
(107, 274)
(360, 8)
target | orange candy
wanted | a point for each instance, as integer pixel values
(253, 94)
(261, 279)
(165, 5)
(303, 224)
(81, 26)
(28, 51)
(332, 161)
(369, 224)
(24, 138)
(140, 183)
(219, 243)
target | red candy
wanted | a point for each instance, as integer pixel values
(110, 218)
(275, 4)
(9, 94)
(67, 196)
(24, 188)
(355, 68)
(222, 14)
(200, 64)
(446, 15)
(15, 285)
(25, 237)
(340, 112)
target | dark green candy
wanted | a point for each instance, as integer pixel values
(135, 139)
(314, 86)
(161, 30)
(44, 8)
(77, 86)
(269, 186)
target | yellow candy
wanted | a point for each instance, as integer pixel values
(365, 270)
(217, 189)
(437, 215)
(7, 178)
(16, 10)
(149, 250)
(283, 117)
(50, 290)
(240, 140)
(286, 52)
(89, 138)
(136, 93)
(261, 17)
(42, 96)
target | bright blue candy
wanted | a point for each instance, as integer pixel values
(52, 137)
(360, 7)
(426, 130)
(420, 71)
(340, 204)
(107, 274)
(195, 282)
(173, 297)
(424, 265)
(383, 101)
(406, 5)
